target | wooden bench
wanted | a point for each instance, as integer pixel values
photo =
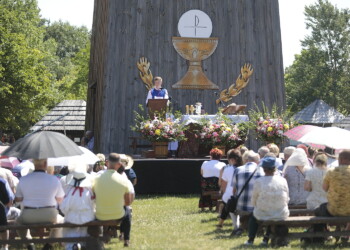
(95, 242)
(308, 221)
(135, 145)
(214, 195)
(301, 212)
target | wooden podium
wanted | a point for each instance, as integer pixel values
(157, 106)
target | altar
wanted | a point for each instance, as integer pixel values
(192, 147)
(187, 119)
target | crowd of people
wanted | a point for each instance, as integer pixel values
(266, 186)
(76, 194)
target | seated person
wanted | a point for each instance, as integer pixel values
(6, 198)
(40, 193)
(112, 192)
(270, 200)
(294, 172)
(234, 160)
(210, 172)
(314, 180)
(336, 183)
(78, 204)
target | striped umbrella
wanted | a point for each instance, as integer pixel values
(299, 131)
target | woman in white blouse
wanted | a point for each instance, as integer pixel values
(210, 172)
(314, 180)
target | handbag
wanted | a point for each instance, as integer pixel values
(231, 205)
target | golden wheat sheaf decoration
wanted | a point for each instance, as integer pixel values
(145, 73)
(236, 88)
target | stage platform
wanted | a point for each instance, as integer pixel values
(168, 176)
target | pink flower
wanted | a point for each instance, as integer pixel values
(215, 134)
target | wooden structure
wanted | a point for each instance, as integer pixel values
(93, 240)
(157, 106)
(72, 122)
(125, 30)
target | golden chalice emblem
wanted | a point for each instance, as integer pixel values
(195, 50)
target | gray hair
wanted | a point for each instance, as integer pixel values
(262, 151)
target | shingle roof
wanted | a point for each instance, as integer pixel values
(318, 112)
(74, 120)
(345, 123)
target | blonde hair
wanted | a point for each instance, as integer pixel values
(50, 170)
(274, 149)
(321, 160)
(158, 78)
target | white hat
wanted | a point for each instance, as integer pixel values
(126, 160)
(298, 158)
(80, 177)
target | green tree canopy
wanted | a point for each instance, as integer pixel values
(41, 64)
(25, 86)
(322, 69)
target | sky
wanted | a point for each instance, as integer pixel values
(293, 29)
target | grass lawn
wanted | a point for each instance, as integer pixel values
(174, 222)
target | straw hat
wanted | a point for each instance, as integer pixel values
(126, 160)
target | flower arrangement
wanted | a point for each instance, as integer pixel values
(221, 132)
(271, 130)
(159, 129)
(270, 124)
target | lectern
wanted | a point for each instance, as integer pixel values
(157, 107)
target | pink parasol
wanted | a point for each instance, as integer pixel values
(9, 162)
(299, 131)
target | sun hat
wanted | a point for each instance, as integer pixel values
(126, 160)
(79, 175)
(268, 162)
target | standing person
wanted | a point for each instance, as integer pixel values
(234, 160)
(270, 200)
(241, 176)
(294, 172)
(157, 92)
(78, 204)
(314, 180)
(6, 198)
(210, 172)
(112, 192)
(40, 193)
(88, 140)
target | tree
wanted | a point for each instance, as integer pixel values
(322, 69)
(25, 86)
(70, 65)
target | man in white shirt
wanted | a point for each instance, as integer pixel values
(270, 200)
(40, 193)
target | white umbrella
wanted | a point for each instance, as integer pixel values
(332, 137)
(87, 157)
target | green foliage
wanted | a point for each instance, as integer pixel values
(25, 87)
(322, 69)
(40, 64)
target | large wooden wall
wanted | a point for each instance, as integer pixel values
(125, 30)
